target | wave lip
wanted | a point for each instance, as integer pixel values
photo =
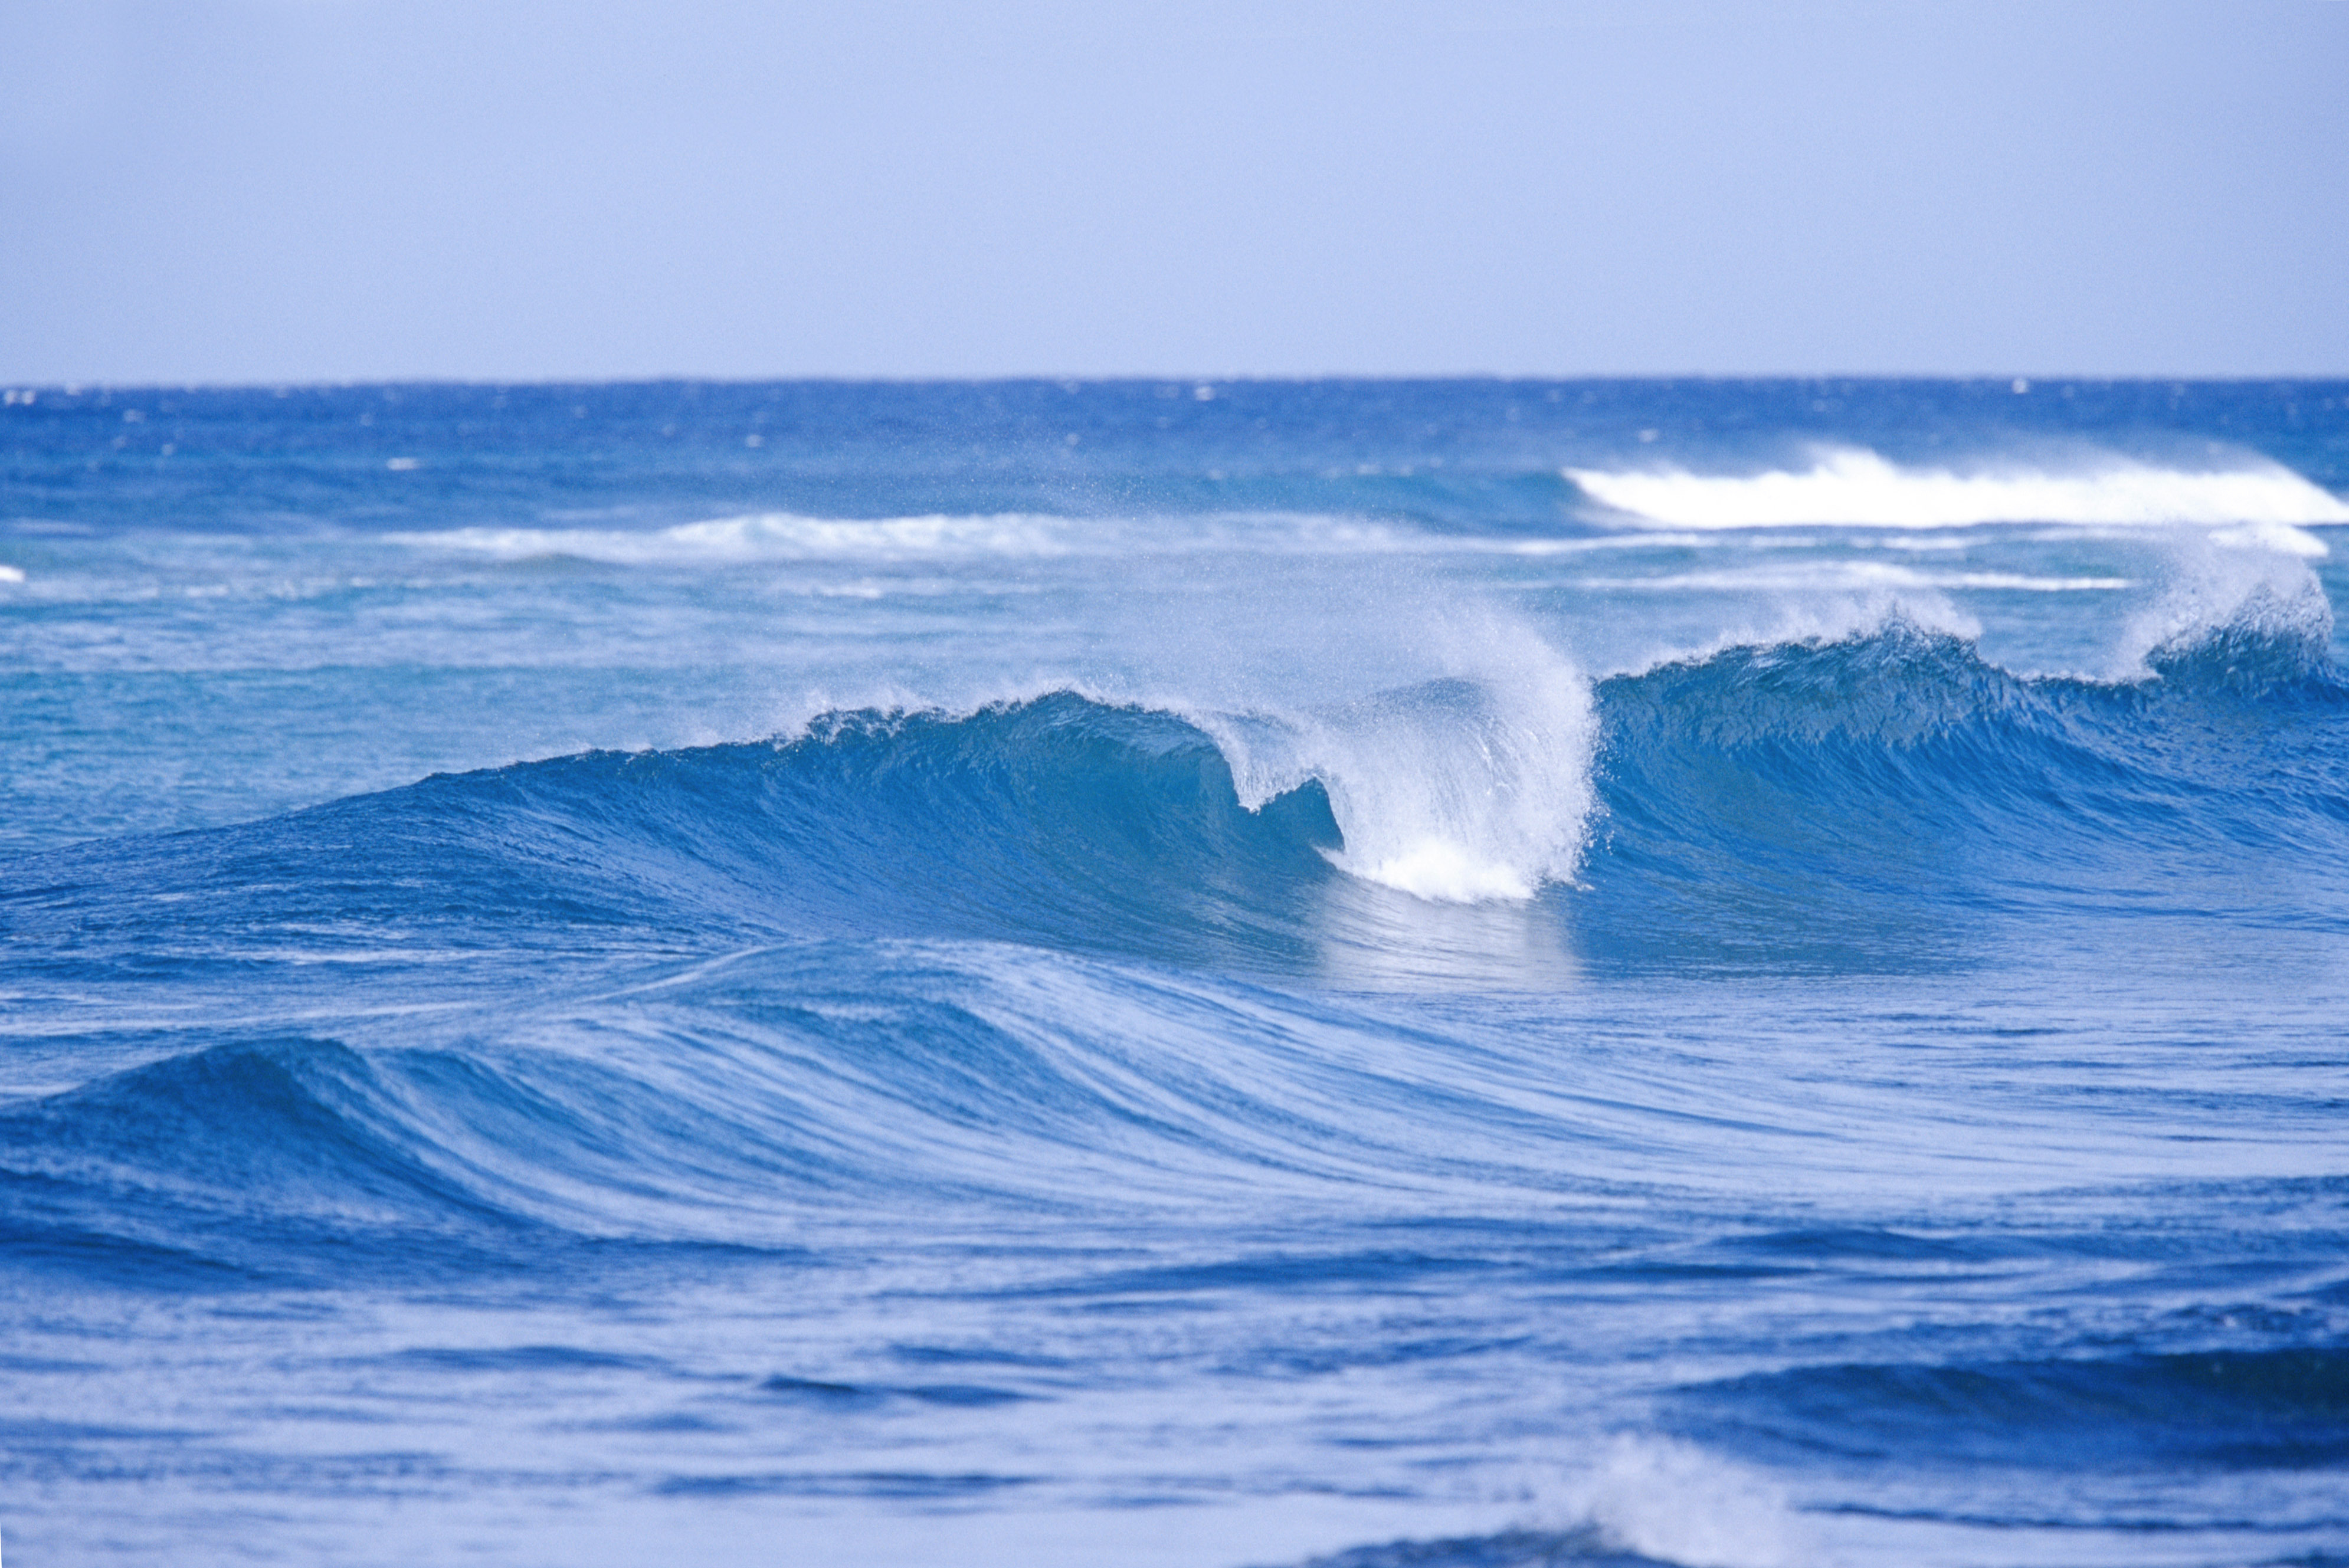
(1465, 789)
(1847, 486)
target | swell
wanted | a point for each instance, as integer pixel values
(1845, 801)
(1887, 793)
(221, 1164)
(2231, 1409)
(1059, 822)
(747, 1102)
(581, 1045)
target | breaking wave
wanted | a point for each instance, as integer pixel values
(2262, 503)
(1863, 788)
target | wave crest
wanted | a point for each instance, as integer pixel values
(1849, 487)
(765, 536)
(2229, 615)
(1877, 790)
(1458, 790)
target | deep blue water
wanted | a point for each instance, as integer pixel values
(1220, 974)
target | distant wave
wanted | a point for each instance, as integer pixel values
(1865, 576)
(766, 536)
(1847, 486)
(786, 536)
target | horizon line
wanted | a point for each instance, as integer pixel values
(2019, 381)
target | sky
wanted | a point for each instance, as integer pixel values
(273, 191)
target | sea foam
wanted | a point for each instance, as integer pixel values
(1469, 787)
(775, 536)
(1851, 487)
(766, 536)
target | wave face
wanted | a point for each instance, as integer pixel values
(1876, 790)
(2247, 1410)
(1729, 975)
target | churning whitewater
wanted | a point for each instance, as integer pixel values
(1226, 975)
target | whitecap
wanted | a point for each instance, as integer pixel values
(765, 536)
(1471, 788)
(1846, 487)
(2214, 584)
(762, 537)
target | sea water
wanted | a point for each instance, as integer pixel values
(1220, 974)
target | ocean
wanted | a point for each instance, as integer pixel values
(1219, 974)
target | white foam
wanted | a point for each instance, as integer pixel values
(2219, 581)
(1676, 1503)
(2282, 539)
(788, 537)
(12, 574)
(1443, 871)
(1851, 488)
(765, 536)
(1473, 790)
(1472, 786)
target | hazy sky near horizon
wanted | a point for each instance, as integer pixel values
(258, 191)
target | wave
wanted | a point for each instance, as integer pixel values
(1889, 782)
(782, 537)
(1507, 1548)
(2262, 504)
(642, 995)
(2284, 1408)
(1058, 821)
(1852, 576)
(767, 536)
(221, 1159)
(1456, 789)
(737, 1102)
(1644, 1503)
(2263, 611)
(1886, 794)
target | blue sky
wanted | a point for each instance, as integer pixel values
(307, 189)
